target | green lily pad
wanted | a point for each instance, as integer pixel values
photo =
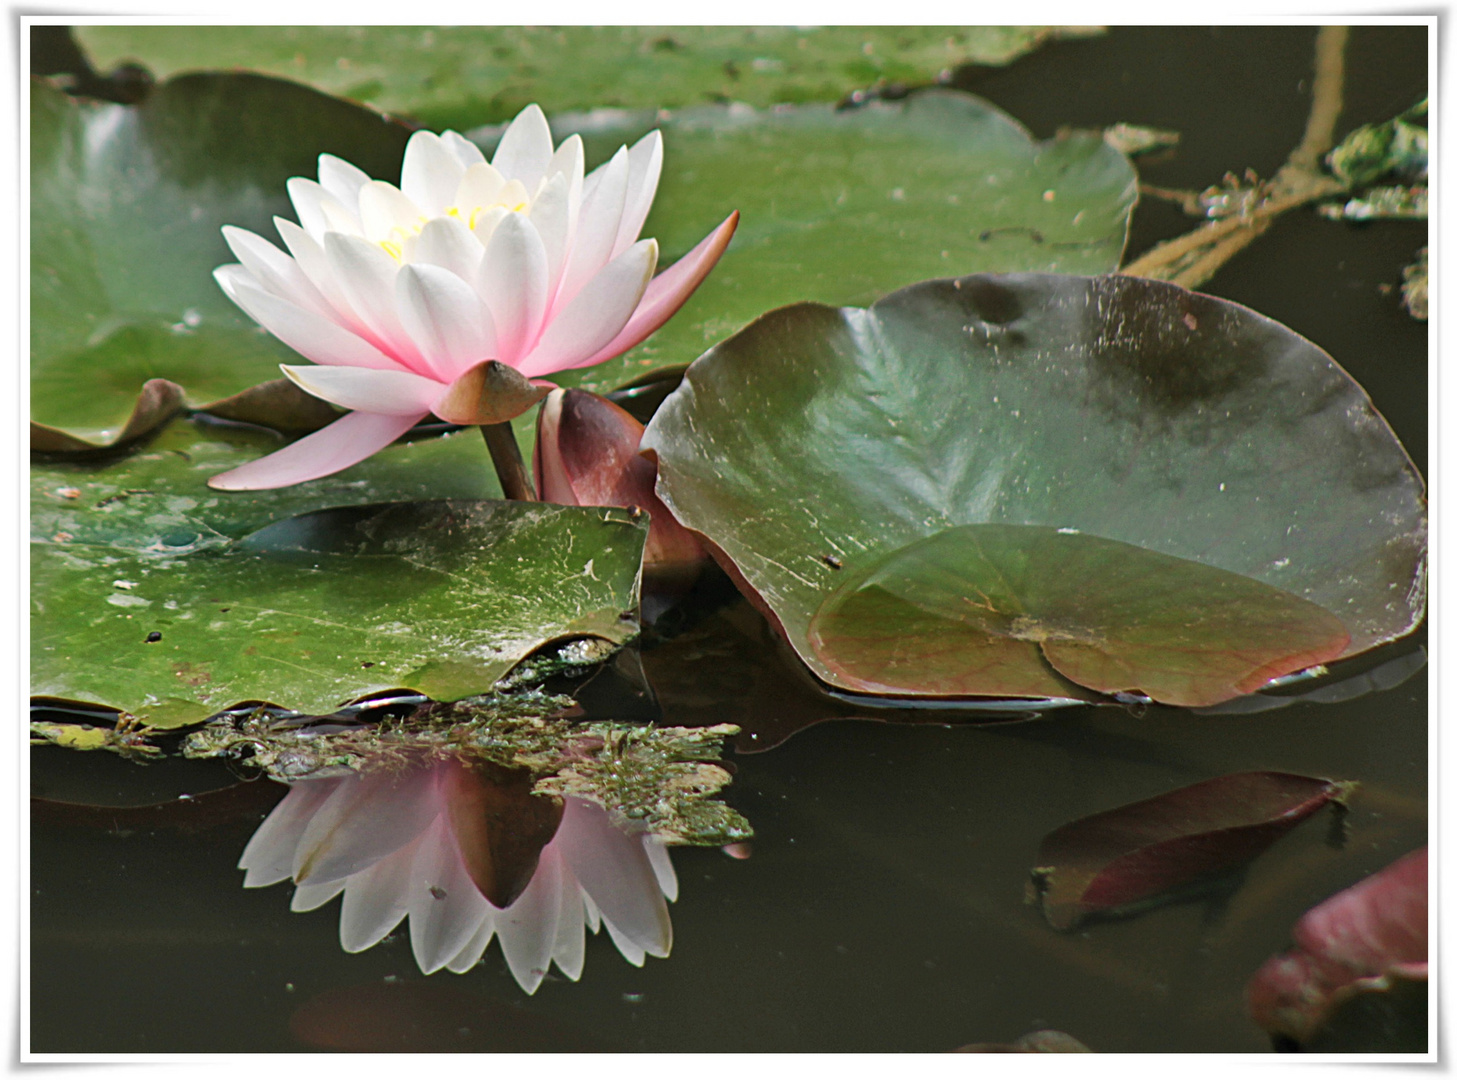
(462, 76)
(443, 597)
(126, 207)
(983, 609)
(816, 444)
(842, 206)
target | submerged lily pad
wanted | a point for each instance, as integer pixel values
(467, 75)
(444, 597)
(1130, 858)
(816, 444)
(986, 609)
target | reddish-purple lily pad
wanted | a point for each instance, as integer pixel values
(1127, 859)
(1365, 940)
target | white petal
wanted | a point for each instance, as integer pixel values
(375, 900)
(614, 870)
(570, 948)
(392, 393)
(486, 224)
(512, 282)
(387, 213)
(662, 860)
(475, 948)
(466, 152)
(445, 318)
(446, 909)
(446, 242)
(551, 213)
(341, 179)
(268, 858)
(309, 335)
(318, 211)
(431, 172)
(345, 442)
(479, 187)
(308, 253)
(525, 149)
(597, 313)
(368, 816)
(570, 161)
(366, 276)
(631, 951)
(597, 226)
(645, 165)
(275, 272)
(309, 897)
(527, 929)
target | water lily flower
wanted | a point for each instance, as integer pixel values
(421, 844)
(450, 293)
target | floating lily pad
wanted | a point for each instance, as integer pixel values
(443, 597)
(469, 75)
(842, 206)
(817, 443)
(1130, 858)
(159, 401)
(127, 204)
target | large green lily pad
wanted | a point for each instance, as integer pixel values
(818, 445)
(463, 76)
(126, 207)
(843, 206)
(443, 597)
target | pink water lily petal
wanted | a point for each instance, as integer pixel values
(570, 161)
(615, 872)
(444, 317)
(597, 225)
(569, 950)
(667, 292)
(431, 172)
(446, 242)
(268, 858)
(446, 909)
(525, 148)
(392, 393)
(552, 215)
(318, 211)
(645, 166)
(341, 179)
(310, 897)
(470, 955)
(375, 900)
(662, 866)
(349, 833)
(367, 277)
(274, 271)
(465, 151)
(527, 929)
(308, 253)
(512, 282)
(479, 186)
(310, 335)
(597, 313)
(345, 442)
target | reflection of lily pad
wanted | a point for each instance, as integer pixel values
(467, 75)
(818, 442)
(985, 609)
(444, 597)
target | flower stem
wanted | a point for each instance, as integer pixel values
(506, 457)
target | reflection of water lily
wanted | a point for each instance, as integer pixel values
(429, 842)
(400, 295)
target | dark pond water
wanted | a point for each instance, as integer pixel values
(881, 909)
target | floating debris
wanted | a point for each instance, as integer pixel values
(1381, 202)
(1414, 286)
(1132, 140)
